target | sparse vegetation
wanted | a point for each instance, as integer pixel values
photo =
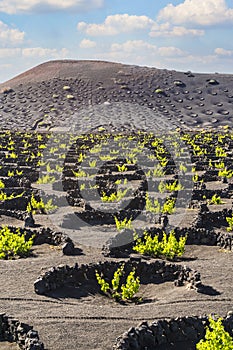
(230, 223)
(115, 196)
(152, 206)
(5, 197)
(123, 224)
(13, 244)
(24, 158)
(216, 337)
(169, 206)
(215, 200)
(116, 289)
(46, 179)
(169, 247)
(35, 206)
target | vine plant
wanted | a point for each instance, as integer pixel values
(116, 289)
(13, 244)
(216, 337)
(169, 247)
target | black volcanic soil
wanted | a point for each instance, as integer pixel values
(67, 321)
(177, 98)
(115, 94)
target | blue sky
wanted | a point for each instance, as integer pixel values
(184, 35)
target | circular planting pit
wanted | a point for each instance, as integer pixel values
(181, 333)
(149, 273)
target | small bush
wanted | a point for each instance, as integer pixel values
(4, 197)
(2, 185)
(46, 179)
(169, 206)
(215, 200)
(216, 338)
(230, 223)
(115, 196)
(124, 224)
(152, 206)
(13, 244)
(225, 173)
(66, 87)
(39, 206)
(159, 91)
(70, 97)
(117, 290)
(169, 247)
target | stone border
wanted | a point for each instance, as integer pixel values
(207, 237)
(165, 332)
(12, 330)
(17, 214)
(154, 272)
(46, 235)
(115, 246)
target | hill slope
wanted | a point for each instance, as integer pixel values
(51, 93)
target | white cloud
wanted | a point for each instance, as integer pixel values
(142, 47)
(206, 12)
(222, 52)
(10, 36)
(116, 24)
(198, 63)
(33, 52)
(9, 52)
(124, 23)
(130, 52)
(38, 6)
(141, 52)
(132, 46)
(21, 59)
(170, 51)
(167, 30)
(169, 57)
(43, 52)
(87, 44)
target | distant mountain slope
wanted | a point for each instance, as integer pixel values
(62, 69)
(52, 93)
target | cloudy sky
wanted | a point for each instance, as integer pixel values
(184, 35)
